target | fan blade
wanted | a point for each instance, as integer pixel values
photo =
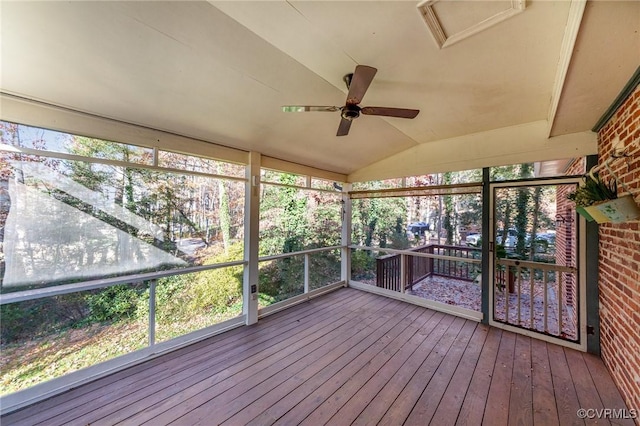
(343, 128)
(390, 112)
(360, 82)
(307, 108)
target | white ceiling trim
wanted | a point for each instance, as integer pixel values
(576, 11)
(524, 143)
(39, 114)
(300, 169)
(443, 40)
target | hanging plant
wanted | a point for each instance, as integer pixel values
(598, 200)
(594, 190)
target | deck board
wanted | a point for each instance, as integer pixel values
(606, 389)
(475, 400)
(330, 379)
(564, 387)
(380, 327)
(428, 403)
(451, 403)
(521, 399)
(380, 404)
(544, 407)
(498, 401)
(236, 369)
(407, 399)
(347, 357)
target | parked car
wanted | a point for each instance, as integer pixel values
(549, 236)
(474, 239)
(544, 242)
(418, 228)
(512, 238)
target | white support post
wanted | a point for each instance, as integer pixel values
(307, 261)
(152, 312)
(346, 234)
(251, 238)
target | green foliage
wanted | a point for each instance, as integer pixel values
(324, 269)
(115, 303)
(399, 239)
(217, 289)
(33, 318)
(375, 221)
(172, 300)
(593, 191)
(522, 202)
(362, 264)
(283, 278)
(16, 321)
(292, 220)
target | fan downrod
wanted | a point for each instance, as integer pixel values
(347, 80)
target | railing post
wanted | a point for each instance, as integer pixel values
(251, 237)
(152, 312)
(345, 237)
(403, 272)
(307, 259)
(430, 263)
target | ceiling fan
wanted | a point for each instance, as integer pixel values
(357, 83)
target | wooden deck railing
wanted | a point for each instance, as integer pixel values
(536, 295)
(417, 268)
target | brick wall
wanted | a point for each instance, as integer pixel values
(619, 259)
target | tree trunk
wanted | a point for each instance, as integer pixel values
(225, 217)
(534, 227)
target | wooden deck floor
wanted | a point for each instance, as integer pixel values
(348, 357)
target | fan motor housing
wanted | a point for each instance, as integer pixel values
(349, 112)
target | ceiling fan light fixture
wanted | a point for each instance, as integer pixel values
(350, 112)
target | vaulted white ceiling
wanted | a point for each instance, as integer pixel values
(528, 88)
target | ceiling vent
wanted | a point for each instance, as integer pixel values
(452, 21)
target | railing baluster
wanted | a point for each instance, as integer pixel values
(560, 304)
(519, 291)
(507, 281)
(546, 309)
(394, 277)
(532, 274)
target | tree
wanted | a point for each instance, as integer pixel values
(449, 212)
(537, 195)
(225, 216)
(522, 202)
